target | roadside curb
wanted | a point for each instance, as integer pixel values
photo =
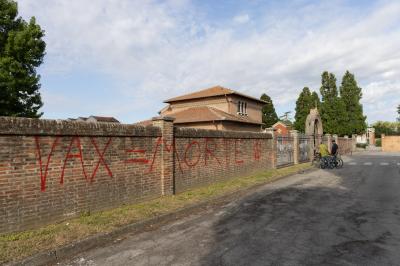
(61, 253)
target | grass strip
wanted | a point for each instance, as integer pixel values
(16, 246)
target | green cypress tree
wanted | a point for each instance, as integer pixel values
(21, 51)
(316, 102)
(351, 95)
(398, 112)
(333, 109)
(303, 105)
(269, 116)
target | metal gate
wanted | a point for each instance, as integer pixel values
(304, 148)
(284, 150)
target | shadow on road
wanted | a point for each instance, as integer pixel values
(341, 217)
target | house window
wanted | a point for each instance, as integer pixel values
(242, 108)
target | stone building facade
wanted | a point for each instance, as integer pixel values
(216, 108)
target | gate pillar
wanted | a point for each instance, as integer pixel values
(295, 135)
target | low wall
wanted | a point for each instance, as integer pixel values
(346, 145)
(52, 170)
(206, 156)
(390, 143)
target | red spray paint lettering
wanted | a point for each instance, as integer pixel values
(137, 160)
(43, 175)
(168, 148)
(257, 150)
(101, 158)
(210, 152)
(77, 142)
(237, 152)
(188, 148)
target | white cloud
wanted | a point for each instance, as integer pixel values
(241, 19)
(159, 49)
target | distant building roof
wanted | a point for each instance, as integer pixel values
(206, 113)
(107, 119)
(93, 118)
(210, 92)
(144, 123)
(284, 123)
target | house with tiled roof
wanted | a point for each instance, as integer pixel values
(282, 127)
(216, 108)
(95, 119)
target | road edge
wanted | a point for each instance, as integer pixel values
(61, 253)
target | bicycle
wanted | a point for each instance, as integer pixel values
(338, 162)
(327, 161)
(319, 161)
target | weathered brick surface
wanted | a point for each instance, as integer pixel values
(390, 143)
(48, 173)
(205, 156)
(51, 170)
(345, 145)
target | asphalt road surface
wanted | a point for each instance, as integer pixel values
(348, 216)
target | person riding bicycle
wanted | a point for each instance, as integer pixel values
(334, 149)
(323, 150)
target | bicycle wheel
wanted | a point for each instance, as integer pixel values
(339, 163)
(323, 163)
(330, 163)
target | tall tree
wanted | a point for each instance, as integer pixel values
(333, 109)
(316, 102)
(303, 105)
(269, 116)
(351, 95)
(21, 51)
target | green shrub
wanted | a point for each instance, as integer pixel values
(378, 143)
(361, 145)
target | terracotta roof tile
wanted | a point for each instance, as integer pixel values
(144, 123)
(107, 119)
(205, 114)
(210, 92)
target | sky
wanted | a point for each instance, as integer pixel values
(123, 58)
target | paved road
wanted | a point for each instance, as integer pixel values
(349, 216)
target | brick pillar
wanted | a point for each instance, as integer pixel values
(274, 152)
(295, 135)
(167, 153)
(353, 142)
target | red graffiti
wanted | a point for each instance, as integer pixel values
(188, 148)
(77, 142)
(237, 152)
(192, 155)
(43, 176)
(101, 158)
(137, 160)
(257, 150)
(210, 152)
(167, 148)
(226, 146)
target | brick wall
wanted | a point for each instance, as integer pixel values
(345, 145)
(390, 143)
(206, 156)
(51, 170)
